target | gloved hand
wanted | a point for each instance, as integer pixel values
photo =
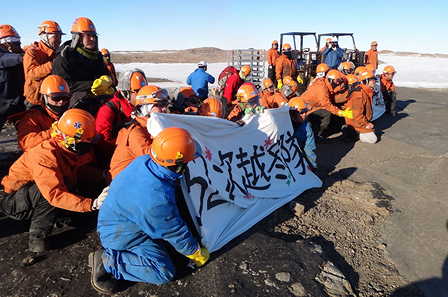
(98, 201)
(299, 79)
(261, 108)
(249, 110)
(101, 85)
(346, 113)
(110, 91)
(279, 84)
(200, 256)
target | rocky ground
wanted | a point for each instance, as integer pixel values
(327, 242)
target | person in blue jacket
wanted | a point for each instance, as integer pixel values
(333, 54)
(12, 77)
(133, 222)
(302, 130)
(199, 80)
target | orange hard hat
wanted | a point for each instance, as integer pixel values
(370, 67)
(275, 41)
(298, 104)
(246, 70)
(328, 39)
(346, 65)
(77, 123)
(188, 92)
(247, 93)
(54, 85)
(351, 79)
(374, 43)
(211, 107)
(267, 83)
(365, 75)
(389, 69)
(83, 25)
(322, 68)
(105, 52)
(137, 81)
(151, 95)
(174, 146)
(50, 27)
(286, 47)
(8, 31)
(334, 74)
(360, 69)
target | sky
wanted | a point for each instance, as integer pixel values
(406, 67)
(397, 25)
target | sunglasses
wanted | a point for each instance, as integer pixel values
(61, 98)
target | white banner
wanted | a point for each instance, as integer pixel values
(244, 173)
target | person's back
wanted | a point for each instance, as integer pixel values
(199, 80)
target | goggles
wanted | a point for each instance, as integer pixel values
(62, 97)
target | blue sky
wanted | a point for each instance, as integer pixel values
(397, 25)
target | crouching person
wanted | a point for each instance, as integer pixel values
(134, 221)
(40, 182)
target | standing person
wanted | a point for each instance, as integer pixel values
(302, 129)
(43, 180)
(135, 222)
(38, 58)
(286, 65)
(82, 66)
(371, 56)
(272, 56)
(333, 54)
(234, 82)
(360, 102)
(110, 66)
(36, 124)
(388, 89)
(199, 81)
(12, 77)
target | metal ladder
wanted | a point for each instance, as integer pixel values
(255, 58)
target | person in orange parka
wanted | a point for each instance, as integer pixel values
(267, 94)
(359, 102)
(319, 99)
(135, 140)
(110, 66)
(43, 180)
(371, 56)
(247, 100)
(35, 125)
(37, 60)
(388, 89)
(272, 56)
(286, 65)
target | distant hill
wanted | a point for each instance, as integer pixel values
(193, 55)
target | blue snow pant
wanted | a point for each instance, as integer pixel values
(147, 262)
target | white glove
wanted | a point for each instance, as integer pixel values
(98, 201)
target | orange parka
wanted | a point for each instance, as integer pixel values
(272, 56)
(372, 58)
(54, 169)
(285, 67)
(273, 101)
(319, 95)
(33, 126)
(131, 143)
(235, 112)
(37, 65)
(386, 84)
(360, 103)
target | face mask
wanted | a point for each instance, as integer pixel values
(81, 148)
(333, 85)
(178, 168)
(288, 55)
(59, 110)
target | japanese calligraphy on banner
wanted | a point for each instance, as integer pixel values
(244, 173)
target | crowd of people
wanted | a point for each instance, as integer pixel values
(82, 130)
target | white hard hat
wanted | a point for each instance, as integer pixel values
(334, 39)
(202, 64)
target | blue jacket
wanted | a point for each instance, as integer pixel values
(199, 80)
(305, 138)
(141, 205)
(333, 57)
(12, 77)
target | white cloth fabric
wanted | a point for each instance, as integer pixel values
(244, 173)
(368, 137)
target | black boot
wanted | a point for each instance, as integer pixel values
(101, 280)
(38, 241)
